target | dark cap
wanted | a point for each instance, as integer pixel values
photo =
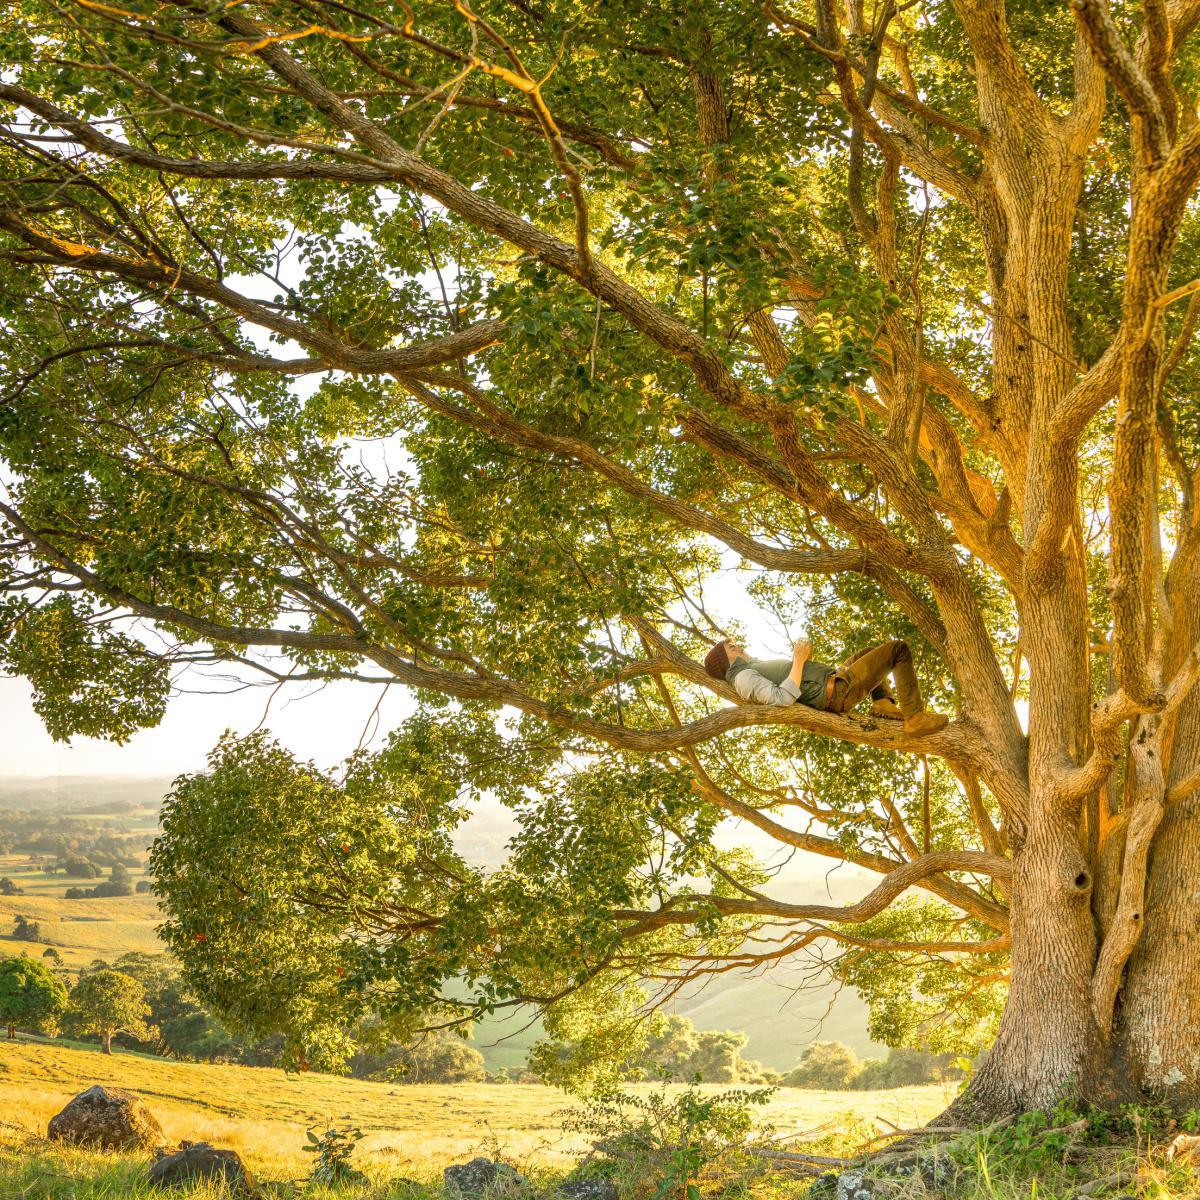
(716, 663)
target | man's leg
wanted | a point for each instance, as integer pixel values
(882, 692)
(867, 671)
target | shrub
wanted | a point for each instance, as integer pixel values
(334, 1149)
(824, 1065)
(106, 1003)
(26, 930)
(674, 1141)
(436, 1057)
(80, 868)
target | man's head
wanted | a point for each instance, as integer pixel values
(721, 657)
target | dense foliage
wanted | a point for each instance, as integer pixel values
(106, 1002)
(515, 356)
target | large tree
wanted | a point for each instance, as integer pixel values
(462, 349)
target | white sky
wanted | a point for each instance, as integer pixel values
(324, 725)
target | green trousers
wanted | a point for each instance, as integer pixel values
(866, 674)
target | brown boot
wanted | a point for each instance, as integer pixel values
(886, 708)
(922, 724)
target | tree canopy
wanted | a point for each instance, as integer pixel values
(105, 1002)
(508, 354)
(31, 996)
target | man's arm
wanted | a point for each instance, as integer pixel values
(801, 653)
(758, 689)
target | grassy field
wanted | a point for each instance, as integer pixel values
(80, 930)
(413, 1130)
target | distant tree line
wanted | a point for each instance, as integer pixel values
(119, 883)
(834, 1065)
(672, 1048)
(80, 845)
(140, 1001)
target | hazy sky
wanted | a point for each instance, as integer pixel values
(324, 725)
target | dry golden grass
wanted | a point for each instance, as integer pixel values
(81, 930)
(412, 1129)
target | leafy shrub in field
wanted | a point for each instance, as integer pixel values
(905, 1067)
(119, 884)
(8, 888)
(824, 1065)
(665, 1145)
(80, 868)
(436, 1057)
(334, 1149)
(106, 1003)
(26, 930)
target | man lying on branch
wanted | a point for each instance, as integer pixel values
(836, 689)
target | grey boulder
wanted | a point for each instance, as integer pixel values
(595, 1188)
(854, 1185)
(198, 1161)
(481, 1175)
(107, 1118)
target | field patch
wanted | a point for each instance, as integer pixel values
(416, 1129)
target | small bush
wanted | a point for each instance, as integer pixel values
(664, 1145)
(334, 1149)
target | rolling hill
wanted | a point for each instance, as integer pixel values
(412, 1129)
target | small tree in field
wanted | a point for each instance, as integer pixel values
(31, 996)
(26, 929)
(108, 1002)
(8, 888)
(824, 1065)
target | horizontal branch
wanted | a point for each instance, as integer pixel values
(958, 741)
(949, 890)
(896, 882)
(335, 353)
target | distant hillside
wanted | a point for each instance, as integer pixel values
(781, 1011)
(82, 793)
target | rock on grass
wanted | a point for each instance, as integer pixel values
(107, 1118)
(196, 1161)
(481, 1175)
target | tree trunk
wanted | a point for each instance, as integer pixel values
(1047, 1043)
(1160, 1016)
(106, 1043)
(12, 1032)
(1159, 1020)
